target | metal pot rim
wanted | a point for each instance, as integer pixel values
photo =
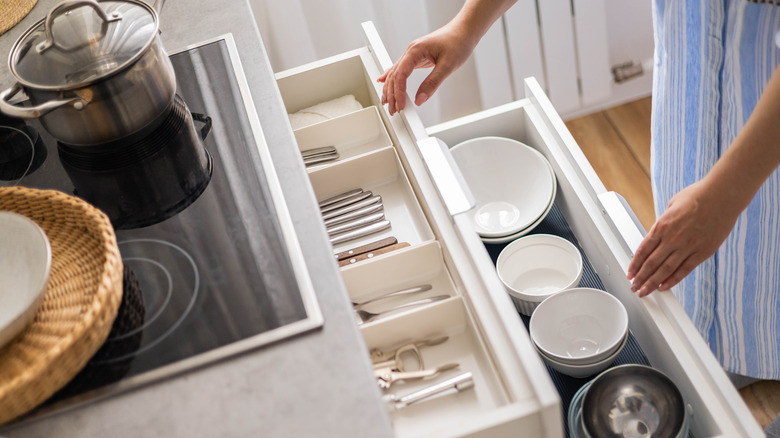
(122, 67)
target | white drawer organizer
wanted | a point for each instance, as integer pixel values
(424, 200)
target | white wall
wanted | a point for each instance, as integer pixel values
(299, 31)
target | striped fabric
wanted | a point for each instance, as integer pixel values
(712, 60)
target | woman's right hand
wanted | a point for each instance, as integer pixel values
(445, 49)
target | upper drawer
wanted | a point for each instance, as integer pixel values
(524, 400)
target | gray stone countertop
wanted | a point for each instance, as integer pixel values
(317, 384)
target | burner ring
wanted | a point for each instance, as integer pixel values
(178, 252)
(29, 139)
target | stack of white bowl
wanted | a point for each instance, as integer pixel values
(514, 186)
(535, 267)
(579, 332)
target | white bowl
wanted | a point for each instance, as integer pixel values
(579, 326)
(25, 262)
(528, 229)
(583, 370)
(535, 267)
(512, 183)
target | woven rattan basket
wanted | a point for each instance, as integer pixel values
(79, 305)
(12, 12)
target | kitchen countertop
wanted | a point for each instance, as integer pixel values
(317, 384)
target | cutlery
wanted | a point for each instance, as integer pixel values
(398, 293)
(387, 376)
(371, 254)
(354, 214)
(360, 232)
(458, 383)
(345, 202)
(311, 161)
(373, 246)
(366, 316)
(327, 150)
(347, 208)
(340, 197)
(360, 222)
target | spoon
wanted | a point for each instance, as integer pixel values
(366, 316)
(398, 293)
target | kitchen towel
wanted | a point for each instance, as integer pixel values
(12, 12)
(324, 111)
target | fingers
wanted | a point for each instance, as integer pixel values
(656, 269)
(648, 245)
(430, 85)
(685, 268)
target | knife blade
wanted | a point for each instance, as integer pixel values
(335, 230)
(376, 199)
(346, 201)
(360, 232)
(354, 214)
(339, 197)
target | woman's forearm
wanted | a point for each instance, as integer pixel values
(476, 17)
(753, 155)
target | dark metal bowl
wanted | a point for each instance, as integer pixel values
(633, 401)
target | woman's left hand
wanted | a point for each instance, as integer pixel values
(694, 225)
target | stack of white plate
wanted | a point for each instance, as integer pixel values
(513, 183)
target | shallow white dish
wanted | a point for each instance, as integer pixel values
(534, 267)
(25, 262)
(512, 183)
(579, 326)
(583, 370)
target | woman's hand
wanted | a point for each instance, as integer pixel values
(445, 50)
(695, 224)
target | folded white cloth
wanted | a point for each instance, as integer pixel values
(324, 111)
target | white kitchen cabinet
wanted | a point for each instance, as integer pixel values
(426, 200)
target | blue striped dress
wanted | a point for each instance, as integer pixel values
(712, 60)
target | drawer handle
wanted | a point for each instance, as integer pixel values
(446, 175)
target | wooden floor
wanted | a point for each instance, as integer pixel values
(617, 144)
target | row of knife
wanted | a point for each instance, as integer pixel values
(353, 215)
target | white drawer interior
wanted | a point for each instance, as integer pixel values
(381, 173)
(352, 134)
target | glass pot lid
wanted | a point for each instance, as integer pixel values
(82, 41)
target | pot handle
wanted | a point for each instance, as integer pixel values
(36, 111)
(66, 6)
(206, 120)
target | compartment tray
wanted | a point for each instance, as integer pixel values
(567, 386)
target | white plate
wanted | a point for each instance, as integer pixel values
(511, 182)
(25, 262)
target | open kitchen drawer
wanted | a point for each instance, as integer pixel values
(513, 393)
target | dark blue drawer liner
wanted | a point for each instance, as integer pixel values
(567, 386)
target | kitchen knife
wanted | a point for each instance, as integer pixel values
(360, 222)
(340, 197)
(376, 199)
(360, 232)
(372, 254)
(346, 201)
(373, 246)
(354, 215)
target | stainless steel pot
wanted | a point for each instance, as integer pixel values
(94, 72)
